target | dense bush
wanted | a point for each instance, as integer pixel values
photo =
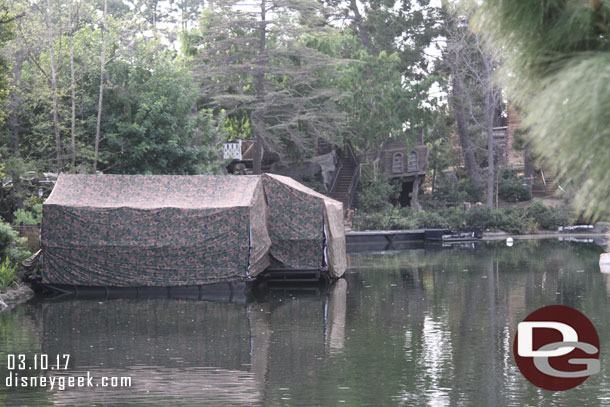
(431, 220)
(389, 219)
(376, 195)
(512, 188)
(11, 245)
(513, 220)
(480, 217)
(547, 218)
(449, 191)
(22, 217)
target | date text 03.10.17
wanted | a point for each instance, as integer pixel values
(37, 361)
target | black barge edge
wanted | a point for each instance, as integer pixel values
(407, 239)
(228, 291)
(238, 291)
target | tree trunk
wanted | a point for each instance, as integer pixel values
(260, 93)
(528, 168)
(490, 110)
(362, 33)
(470, 162)
(73, 90)
(101, 98)
(15, 103)
(54, 87)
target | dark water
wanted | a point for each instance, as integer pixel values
(431, 327)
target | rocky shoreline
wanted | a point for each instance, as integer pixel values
(15, 296)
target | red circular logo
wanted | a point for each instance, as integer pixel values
(556, 348)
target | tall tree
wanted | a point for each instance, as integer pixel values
(556, 65)
(72, 27)
(254, 61)
(98, 126)
(7, 19)
(51, 40)
(475, 98)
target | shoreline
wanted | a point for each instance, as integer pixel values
(542, 235)
(15, 296)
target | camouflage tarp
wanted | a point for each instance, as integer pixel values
(305, 227)
(137, 230)
(144, 230)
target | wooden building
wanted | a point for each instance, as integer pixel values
(408, 167)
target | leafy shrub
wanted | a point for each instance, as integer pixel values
(547, 218)
(8, 274)
(480, 217)
(512, 188)
(430, 220)
(392, 218)
(376, 194)
(474, 194)
(11, 245)
(24, 217)
(512, 220)
(455, 217)
(450, 192)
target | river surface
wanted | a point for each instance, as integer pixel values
(427, 327)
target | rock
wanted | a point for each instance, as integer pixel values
(601, 227)
(15, 296)
(327, 166)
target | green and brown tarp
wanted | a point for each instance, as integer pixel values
(147, 230)
(305, 227)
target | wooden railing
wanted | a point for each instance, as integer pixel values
(333, 184)
(240, 149)
(355, 176)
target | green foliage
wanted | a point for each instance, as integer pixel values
(431, 220)
(22, 217)
(150, 126)
(556, 65)
(8, 274)
(547, 218)
(374, 87)
(391, 218)
(284, 93)
(6, 34)
(512, 220)
(512, 188)
(449, 191)
(376, 195)
(11, 245)
(481, 217)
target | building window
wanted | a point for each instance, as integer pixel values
(413, 161)
(397, 167)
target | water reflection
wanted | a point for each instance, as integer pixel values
(421, 327)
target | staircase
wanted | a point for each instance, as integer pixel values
(346, 180)
(341, 190)
(543, 185)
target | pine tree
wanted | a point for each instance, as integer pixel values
(557, 69)
(253, 61)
